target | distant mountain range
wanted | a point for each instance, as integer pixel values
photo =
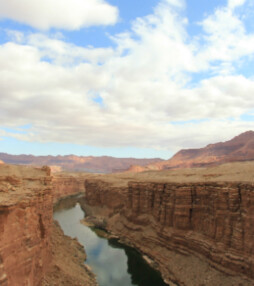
(74, 163)
(240, 148)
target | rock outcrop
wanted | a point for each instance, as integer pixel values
(69, 184)
(31, 246)
(25, 225)
(64, 185)
(188, 229)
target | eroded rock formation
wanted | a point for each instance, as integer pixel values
(69, 184)
(25, 225)
(31, 246)
(187, 229)
(66, 184)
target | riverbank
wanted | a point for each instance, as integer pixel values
(113, 263)
(67, 266)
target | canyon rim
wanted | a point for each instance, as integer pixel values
(194, 225)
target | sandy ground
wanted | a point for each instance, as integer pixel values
(229, 172)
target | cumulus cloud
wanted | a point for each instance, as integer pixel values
(62, 53)
(226, 39)
(235, 3)
(64, 14)
(146, 99)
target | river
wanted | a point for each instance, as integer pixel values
(113, 264)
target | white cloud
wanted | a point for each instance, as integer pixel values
(143, 82)
(232, 4)
(15, 36)
(62, 53)
(64, 14)
(226, 38)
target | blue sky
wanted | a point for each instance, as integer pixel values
(124, 78)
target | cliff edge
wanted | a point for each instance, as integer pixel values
(33, 249)
(25, 224)
(195, 225)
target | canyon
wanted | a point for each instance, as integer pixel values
(29, 238)
(196, 226)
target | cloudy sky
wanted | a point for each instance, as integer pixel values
(124, 78)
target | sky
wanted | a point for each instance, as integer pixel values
(124, 78)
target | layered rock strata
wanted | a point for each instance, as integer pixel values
(68, 184)
(187, 229)
(25, 225)
(33, 250)
(64, 185)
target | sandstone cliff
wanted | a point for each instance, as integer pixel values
(188, 229)
(68, 184)
(64, 185)
(25, 225)
(31, 246)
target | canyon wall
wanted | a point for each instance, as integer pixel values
(187, 229)
(33, 250)
(64, 185)
(25, 225)
(68, 184)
